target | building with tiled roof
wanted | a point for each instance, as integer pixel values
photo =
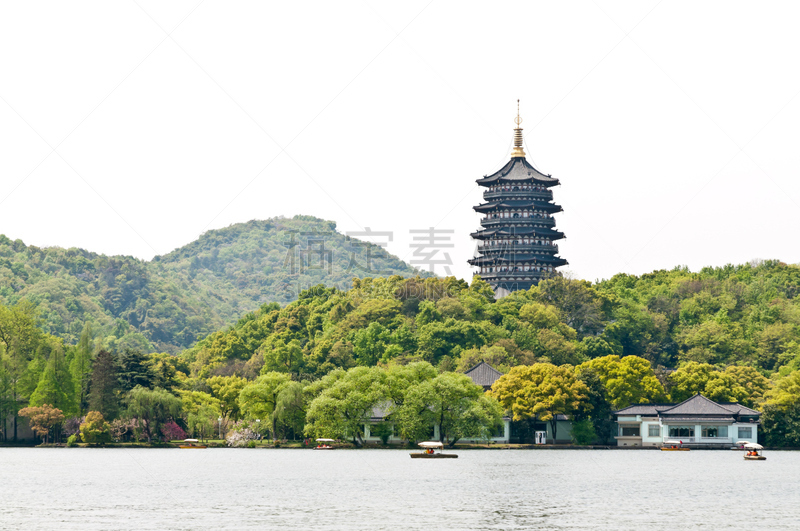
(695, 422)
(484, 375)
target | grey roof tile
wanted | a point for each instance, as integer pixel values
(484, 374)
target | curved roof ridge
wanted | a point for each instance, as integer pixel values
(518, 168)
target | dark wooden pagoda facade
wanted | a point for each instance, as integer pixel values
(516, 244)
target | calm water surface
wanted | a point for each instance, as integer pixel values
(385, 489)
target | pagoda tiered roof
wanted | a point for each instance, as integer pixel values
(543, 232)
(514, 258)
(518, 203)
(516, 170)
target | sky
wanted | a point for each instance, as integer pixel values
(132, 127)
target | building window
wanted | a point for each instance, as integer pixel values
(745, 433)
(629, 431)
(681, 431)
(714, 431)
(654, 430)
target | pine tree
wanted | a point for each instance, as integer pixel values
(81, 367)
(104, 385)
(56, 387)
(134, 370)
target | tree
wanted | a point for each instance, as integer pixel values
(786, 392)
(258, 400)
(42, 419)
(164, 369)
(19, 338)
(581, 305)
(290, 411)
(55, 386)
(583, 432)
(597, 409)
(693, 378)
(133, 370)
(628, 380)
(283, 357)
(342, 409)
(753, 382)
(226, 389)
(541, 390)
(104, 385)
(454, 403)
(201, 410)
(153, 407)
(81, 368)
(95, 430)
(171, 431)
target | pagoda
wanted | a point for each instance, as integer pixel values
(516, 244)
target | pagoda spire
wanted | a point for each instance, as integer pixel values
(517, 151)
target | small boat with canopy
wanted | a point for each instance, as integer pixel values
(191, 443)
(753, 452)
(673, 446)
(432, 450)
(324, 444)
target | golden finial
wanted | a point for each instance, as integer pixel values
(517, 151)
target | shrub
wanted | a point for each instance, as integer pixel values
(72, 441)
(583, 432)
(95, 429)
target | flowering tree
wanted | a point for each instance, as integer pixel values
(240, 437)
(172, 431)
(72, 426)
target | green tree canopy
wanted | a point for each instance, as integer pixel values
(541, 391)
(342, 409)
(104, 385)
(258, 399)
(95, 430)
(628, 380)
(56, 387)
(703, 378)
(152, 407)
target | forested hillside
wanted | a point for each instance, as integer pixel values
(319, 365)
(734, 315)
(166, 304)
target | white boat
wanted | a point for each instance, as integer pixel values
(191, 443)
(324, 444)
(433, 450)
(753, 452)
(673, 446)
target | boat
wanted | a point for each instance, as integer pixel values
(433, 450)
(191, 443)
(753, 452)
(674, 446)
(324, 444)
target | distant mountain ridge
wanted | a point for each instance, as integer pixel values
(168, 303)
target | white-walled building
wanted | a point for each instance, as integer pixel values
(697, 422)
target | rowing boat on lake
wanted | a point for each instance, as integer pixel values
(433, 450)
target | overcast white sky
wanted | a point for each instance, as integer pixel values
(133, 127)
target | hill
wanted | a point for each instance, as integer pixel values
(746, 315)
(168, 303)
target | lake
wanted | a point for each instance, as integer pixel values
(120, 488)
